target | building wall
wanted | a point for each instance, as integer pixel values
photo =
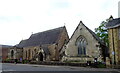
(63, 38)
(52, 50)
(17, 53)
(5, 53)
(29, 52)
(114, 45)
(119, 52)
(35, 50)
(92, 50)
(119, 45)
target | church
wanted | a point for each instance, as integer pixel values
(83, 46)
(55, 45)
(41, 46)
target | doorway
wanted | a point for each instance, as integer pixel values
(40, 56)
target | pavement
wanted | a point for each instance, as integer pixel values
(46, 68)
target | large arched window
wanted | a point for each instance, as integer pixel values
(81, 44)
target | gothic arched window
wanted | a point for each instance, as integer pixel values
(26, 54)
(29, 54)
(12, 53)
(81, 44)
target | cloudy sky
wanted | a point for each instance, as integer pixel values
(20, 18)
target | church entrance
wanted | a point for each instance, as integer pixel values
(40, 56)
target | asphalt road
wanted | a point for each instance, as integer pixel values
(12, 68)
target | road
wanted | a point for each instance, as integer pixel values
(34, 68)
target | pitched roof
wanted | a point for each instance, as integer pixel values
(46, 37)
(113, 23)
(21, 44)
(6, 46)
(93, 34)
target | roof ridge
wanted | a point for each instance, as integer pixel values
(46, 31)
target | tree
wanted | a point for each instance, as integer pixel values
(102, 31)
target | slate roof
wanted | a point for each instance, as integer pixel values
(46, 37)
(95, 36)
(21, 44)
(6, 46)
(113, 23)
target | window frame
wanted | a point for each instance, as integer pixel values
(81, 43)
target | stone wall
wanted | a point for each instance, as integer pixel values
(63, 39)
(4, 53)
(76, 59)
(92, 50)
(29, 52)
(52, 51)
(17, 53)
(114, 45)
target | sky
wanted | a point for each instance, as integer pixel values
(21, 18)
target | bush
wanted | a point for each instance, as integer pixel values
(8, 61)
(25, 61)
(99, 65)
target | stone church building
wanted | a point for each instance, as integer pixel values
(114, 40)
(42, 46)
(84, 45)
(55, 45)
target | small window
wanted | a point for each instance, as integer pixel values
(12, 53)
(29, 53)
(32, 54)
(26, 54)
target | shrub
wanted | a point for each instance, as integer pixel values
(25, 61)
(99, 65)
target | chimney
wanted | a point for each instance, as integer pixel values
(110, 18)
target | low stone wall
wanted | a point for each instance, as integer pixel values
(80, 59)
(60, 64)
